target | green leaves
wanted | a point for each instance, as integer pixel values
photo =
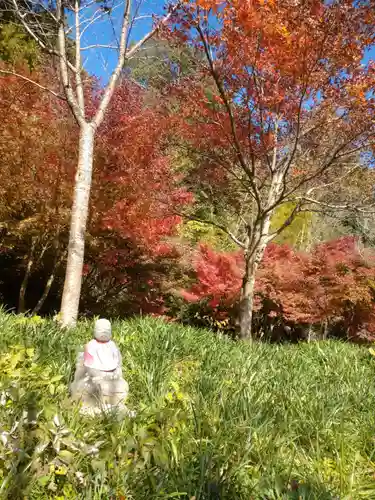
(298, 233)
(66, 456)
(16, 47)
(212, 415)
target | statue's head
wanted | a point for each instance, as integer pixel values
(102, 330)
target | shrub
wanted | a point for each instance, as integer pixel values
(330, 289)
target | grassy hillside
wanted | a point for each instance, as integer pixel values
(216, 419)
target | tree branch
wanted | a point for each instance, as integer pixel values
(116, 73)
(297, 210)
(99, 46)
(337, 180)
(123, 56)
(222, 93)
(163, 22)
(36, 37)
(215, 224)
(347, 206)
(325, 165)
(13, 73)
(79, 87)
(78, 113)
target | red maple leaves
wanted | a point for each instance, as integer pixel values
(333, 285)
(140, 193)
(135, 194)
(37, 154)
(219, 277)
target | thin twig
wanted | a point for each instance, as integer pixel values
(13, 73)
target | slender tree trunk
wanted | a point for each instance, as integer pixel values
(80, 209)
(25, 281)
(246, 304)
(48, 286)
(252, 261)
(260, 237)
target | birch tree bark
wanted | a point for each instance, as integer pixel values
(256, 245)
(80, 210)
(83, 16)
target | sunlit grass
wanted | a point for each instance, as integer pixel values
(215, 418)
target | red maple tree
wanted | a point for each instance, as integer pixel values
(135, 195)
(332, 287)
(280, 111)
(136, 190)
(37, 166)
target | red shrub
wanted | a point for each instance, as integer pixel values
(333, 285)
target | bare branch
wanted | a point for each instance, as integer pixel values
(116, 73)
(130, 53)
(336, 181)
(96, 16)
(124, 55)
(87, 5)
(346, 206)
(324, 167)
(230, 169)
(79, 87)
(219, 226)
(99, 46)
(138, 18)
(36, 37)
(45, 9)
(297, 210)
(13, 73)
(69, 92)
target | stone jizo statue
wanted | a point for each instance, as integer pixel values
(98, 381)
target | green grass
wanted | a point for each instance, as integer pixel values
(215, 418)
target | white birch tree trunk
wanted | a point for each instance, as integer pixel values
(71, 73)
(80, 210)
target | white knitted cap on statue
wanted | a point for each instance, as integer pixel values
(103, 330)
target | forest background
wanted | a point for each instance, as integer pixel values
(220, 185)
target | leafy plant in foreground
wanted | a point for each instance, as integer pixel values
(214, 417)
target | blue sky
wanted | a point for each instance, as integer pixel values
(101, 62)
(370, 55)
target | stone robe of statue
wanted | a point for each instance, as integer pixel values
(98, 382)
